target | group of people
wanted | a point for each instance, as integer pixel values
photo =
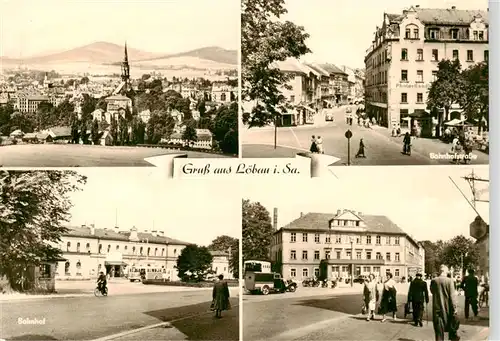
(444, 300)
(317, 145)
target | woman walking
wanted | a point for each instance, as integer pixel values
(314, 145)
(319, 145)
(370, 296)
(388, 303)
(220, 297)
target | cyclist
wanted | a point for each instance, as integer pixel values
(102, 281)
(483, 298)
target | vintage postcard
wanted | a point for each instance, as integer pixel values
(96, 255)
(367, 82)
(369, 257)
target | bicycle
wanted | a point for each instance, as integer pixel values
(100, 292)
(484, 299)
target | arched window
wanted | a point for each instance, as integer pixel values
(156, 251)
(87, 247)
(109, 248)
(117, 247)
(126, 248)
(223, 97)
(78, 265)
(149, 251)
(411, 32)
(162, 252)
(140, 251)
(133, 249)
(66, 268)
(77, 247)
(175, 252)
(100, 248)
(68, 245)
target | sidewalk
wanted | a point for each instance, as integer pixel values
(357, 328)
(234, 291)
(426, 146)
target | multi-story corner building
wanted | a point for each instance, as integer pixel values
(402, 61)
(88, 250)
(348, 241)
(325, 95)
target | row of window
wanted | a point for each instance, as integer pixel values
(404, 98)
(339, 271)
(435, 55)
(348, 255)
(435, 33)
(339, 239)
(132, 250)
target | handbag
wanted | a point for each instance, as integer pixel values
(212, 305)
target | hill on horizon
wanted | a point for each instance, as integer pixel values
(110, 53)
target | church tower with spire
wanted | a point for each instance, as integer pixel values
(125, 67)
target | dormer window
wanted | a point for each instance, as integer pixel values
(475, 35)
(481, 35)
(415, 33)
(408, 33)
(454, 33)
(434, 33)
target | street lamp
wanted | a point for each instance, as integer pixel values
(352, 263)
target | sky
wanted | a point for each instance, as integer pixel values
(423, 201)
(189, 210)
(342, 30)
(33, 27)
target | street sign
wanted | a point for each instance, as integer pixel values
(348, 134)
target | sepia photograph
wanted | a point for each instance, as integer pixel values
(111, 83)
(393, 254)
(96, 255)
(370, 83)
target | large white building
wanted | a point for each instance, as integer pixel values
(88, 250)
(346, 240)
(402, 61)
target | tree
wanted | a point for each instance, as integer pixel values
(257, 231)
(34, 206)
(95, 135)
(202, 108)
(446, 90)
(475, 101)
(138, 130)
(232, 245)
(461, 250)
(189, 135)
(160, 125)
(113, 129)
(433, 253)
(264, 41)
(75, 131)
(123, 134)
(194, 263)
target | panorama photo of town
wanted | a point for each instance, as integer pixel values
(407, 85)
(116, 94)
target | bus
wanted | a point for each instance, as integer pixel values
(257, 266)
(146, 273)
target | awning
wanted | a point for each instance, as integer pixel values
(115, 263)
(307, 108)
(419, 113)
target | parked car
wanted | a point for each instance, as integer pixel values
(360, 279)
(266, 283)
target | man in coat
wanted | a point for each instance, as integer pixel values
(220, 297)
(470, 286)
(417, 295)
(444, 306)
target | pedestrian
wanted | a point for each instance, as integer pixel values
(417, 295)
(470, 286)
(361, 150)
(319, 145)
(314, 145)
(393, 134)
(388, 302)
(220, 297)
(444, 306)
(370, 296)
(398, 131)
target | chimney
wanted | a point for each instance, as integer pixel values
(162, 233)
(92, 229)
(84, 225)
(301, 214)
(116, 228)
(338, 212)
(275, 219)
(417, 6)
(145, 231)
(453, 7)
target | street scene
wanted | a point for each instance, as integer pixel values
(76, 268)
(116, 94)
(355, 267)
(392, 94)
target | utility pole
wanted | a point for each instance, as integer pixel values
(352, 262)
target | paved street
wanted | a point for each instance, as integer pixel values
(89, 318)
(381, 148)
(335, 315)
(67, 155)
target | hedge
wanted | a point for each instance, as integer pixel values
(231, 283)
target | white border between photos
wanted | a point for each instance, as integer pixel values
(494, 41)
